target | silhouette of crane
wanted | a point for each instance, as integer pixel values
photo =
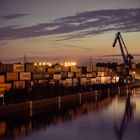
(127, 117)
(127, 57)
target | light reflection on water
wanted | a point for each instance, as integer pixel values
(115, 118)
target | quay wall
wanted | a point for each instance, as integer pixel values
(31, 108)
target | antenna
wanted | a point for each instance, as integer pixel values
(25, 59)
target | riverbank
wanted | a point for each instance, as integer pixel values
(34, 107)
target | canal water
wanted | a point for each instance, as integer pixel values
(113, 118)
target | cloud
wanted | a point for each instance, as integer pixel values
(79, 25)
(73, 46)
(13, 16)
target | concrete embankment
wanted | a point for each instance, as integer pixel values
(31, 108)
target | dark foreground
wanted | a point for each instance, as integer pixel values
(112, 117)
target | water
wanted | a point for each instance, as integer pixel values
(116, 118)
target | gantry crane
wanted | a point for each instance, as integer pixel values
(127, 58)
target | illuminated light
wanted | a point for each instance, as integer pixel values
(117, 78)
(67, 64)
(134, 72)
(40, 64)
(35, 64)
(44, 63)
(49, 64)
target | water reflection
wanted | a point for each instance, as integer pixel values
(13, 129)
(127, 116)
(90, 120)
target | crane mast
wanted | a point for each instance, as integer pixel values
(127, 58)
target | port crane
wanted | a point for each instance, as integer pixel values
(127, 58)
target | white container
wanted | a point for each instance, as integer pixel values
(25, 76)
(70, 74)
(18, 67)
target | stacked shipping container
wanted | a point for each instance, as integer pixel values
(17, 75)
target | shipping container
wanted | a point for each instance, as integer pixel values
(41, 68)
(64, 75)
(100, 73)
(83, 81)
(57, 76)
(88, 81)
(12, 76)
(65, 69)
(106, 69)
(3, 128)
(52, 81)
(118, 69)
(88, 75)
(75, 82)
(94, 74)
(25, 76)
(63, 82)
(89, 68)
(5, 86)
(18, 67)
(51, 70)
(93, 81)
(70, 74)
(103, 79)
(108, 79)
(98, 80)
(19, 84)
(2, 68)
(58, 68)
(37, 76)
(110, 70)
(100, 69)
(69, 82)
(42, 81)
(133, 65)
(2, 78)
(46, 75)
(78, 75)
(83, 75)
(9, 68)
(83, 70)
(115, 79)
(74, 69)
(31, 68)
(94, 68)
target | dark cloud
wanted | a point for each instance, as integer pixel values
(79, 25)
(13, 16)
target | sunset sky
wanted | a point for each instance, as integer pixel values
(67, 29)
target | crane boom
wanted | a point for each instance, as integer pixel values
(126, 56)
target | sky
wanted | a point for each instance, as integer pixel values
(67, 29)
